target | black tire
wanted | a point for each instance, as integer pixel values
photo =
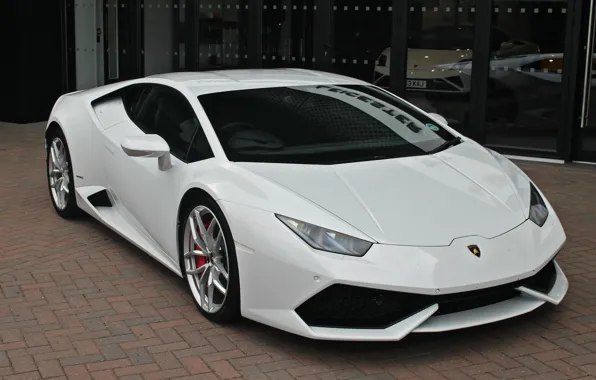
(230, 309)
(71, 209)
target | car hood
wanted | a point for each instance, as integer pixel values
(419, 201)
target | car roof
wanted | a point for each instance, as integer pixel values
(205, 82)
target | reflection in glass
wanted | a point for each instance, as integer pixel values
(288, 33)
(159, 36)
(172, 43)
(112, 32)
(439, 67)
(526, 70)
(222, 33)
(362, 32)
(587, 133)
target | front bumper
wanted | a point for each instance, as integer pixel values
(431, 318)
(426, 289)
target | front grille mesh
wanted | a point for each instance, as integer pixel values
(346, 306)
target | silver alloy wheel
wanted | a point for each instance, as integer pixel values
(59, 173)
(206, 260)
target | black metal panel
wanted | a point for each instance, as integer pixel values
(323, 29)
(32, 69)
(138, 38)
(67, 38)
(192, 35)
(399, 47)
(255, 34)
(480, 72)
(573, 65)
(9, 61)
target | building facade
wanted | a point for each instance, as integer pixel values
(515, 75)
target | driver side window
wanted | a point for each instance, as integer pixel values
(167, 113)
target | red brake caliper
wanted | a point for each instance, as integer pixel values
(201, 260)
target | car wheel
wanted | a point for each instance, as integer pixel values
(208, 259)
(60, 175)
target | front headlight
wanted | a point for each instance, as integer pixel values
(326, 240)
(538, 209)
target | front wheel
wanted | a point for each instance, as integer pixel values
(209, 261)
(60, 175)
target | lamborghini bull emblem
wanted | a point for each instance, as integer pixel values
(474, 250)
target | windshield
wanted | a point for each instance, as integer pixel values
(320, 125)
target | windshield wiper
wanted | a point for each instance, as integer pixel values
(447, 144)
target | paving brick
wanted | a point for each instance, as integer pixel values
(194, 365)
(224, 370)
(50, 368)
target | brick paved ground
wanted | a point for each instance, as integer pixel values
(78, 302)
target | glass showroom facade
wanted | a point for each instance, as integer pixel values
(513, 74)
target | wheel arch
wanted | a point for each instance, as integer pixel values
(53, 126)
(189, 196)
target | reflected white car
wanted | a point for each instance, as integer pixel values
(311, 202)
(439, 58)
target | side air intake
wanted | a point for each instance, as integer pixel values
(100, 199)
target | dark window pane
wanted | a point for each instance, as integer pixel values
(587, 134)
(132, 97)
(222, 33)
(159, 31)
(184, 35)
(167, 113)
(362, 39)
(200, 148)
(288, 27)
(145, 115)
(525, 77)
(319, 125)
(439, 70)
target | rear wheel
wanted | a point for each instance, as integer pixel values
(209, 262)
(60, 175)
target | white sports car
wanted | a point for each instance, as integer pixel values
(311, 202)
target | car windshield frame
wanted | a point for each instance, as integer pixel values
(320, 125)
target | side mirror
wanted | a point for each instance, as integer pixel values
(438, 118)
(148, 146)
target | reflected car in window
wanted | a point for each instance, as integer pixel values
(437, 57)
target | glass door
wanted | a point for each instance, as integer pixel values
(288, 33)
(361, 43)
(587, 129)
(116, 32)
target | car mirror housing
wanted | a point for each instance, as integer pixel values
(148, 146)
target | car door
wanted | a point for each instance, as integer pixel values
(145, 195)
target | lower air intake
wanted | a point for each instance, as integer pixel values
(346, 306)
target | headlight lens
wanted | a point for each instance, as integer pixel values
(538, 209)
(327, 240)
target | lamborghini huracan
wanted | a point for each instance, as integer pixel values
(312, 202)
